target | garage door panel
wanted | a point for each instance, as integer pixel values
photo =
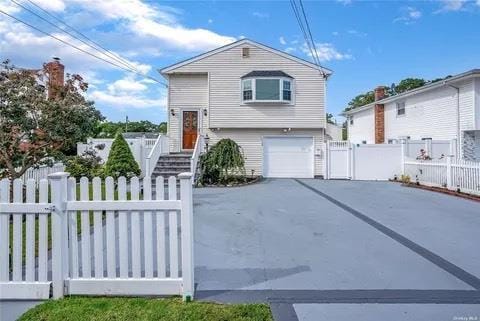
(288, 157)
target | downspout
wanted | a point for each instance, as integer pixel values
(458, 121)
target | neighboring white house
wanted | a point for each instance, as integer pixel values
(334, 132)
(270, 102)
(444, 110)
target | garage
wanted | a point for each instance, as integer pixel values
(290, 157)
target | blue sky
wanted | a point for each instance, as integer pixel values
(365, 43)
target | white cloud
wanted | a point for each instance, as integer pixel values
(478, 2)
(126, 85)
(124, 100)
(451, 5)
(326, 52)
(261, 15)
(409, 15)
(51, 5)
(160, 23)
(290, 49)
(284, 42)
(357, 33)
(9, 7)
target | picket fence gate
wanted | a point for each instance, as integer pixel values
(140, 243)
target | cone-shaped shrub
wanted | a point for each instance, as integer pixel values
(120, 160)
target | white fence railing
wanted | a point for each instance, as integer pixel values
(41, 172)
(197, 151)
(160, 147)
(451, 173)
(113, 239)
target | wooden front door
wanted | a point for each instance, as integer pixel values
(190, 129)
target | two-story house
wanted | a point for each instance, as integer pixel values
(269, 102)
(445, 110)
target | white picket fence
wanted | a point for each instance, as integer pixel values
(451, 173)
(38, 173)
(140, 243)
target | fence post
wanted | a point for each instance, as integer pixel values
(402, 157)
(449, 172)
(187, 235)
(58, 185)
(453, 148)
(327, 160)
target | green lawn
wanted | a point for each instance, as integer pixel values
(127, 309)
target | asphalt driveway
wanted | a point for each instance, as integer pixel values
(303, 245)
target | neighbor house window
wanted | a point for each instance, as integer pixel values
(247, 90)
(351, 120)
(401, 109)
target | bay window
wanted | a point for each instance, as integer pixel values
(267, 89)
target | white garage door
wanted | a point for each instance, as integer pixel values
(288, 157)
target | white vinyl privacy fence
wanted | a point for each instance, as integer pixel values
(96, 238)
(389, 161)
(38, 173)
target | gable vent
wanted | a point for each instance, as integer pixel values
(245, 52)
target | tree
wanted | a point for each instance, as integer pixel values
(110, 129)
(345, 130)
(330, 119)
(360, 100)
(120, 159)
(409, 84)
(35, 130)
(223, 160)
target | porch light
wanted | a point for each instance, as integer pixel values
(205, 113)
(172, 112)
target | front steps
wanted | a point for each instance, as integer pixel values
(172, 165)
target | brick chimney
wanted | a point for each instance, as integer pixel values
(379, 116)
(56, 77)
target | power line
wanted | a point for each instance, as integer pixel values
(110, 54)
(80, 49)
(308, 40)
(311, 37)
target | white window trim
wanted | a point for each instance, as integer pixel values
(254, 99)
(404, 109)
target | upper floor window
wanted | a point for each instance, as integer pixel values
(267, 86)
(401, 108)
(247, 92)
(351, 119)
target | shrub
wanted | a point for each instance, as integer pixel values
(222, 163)
(88, 165)
(405, 179)
(120, 160)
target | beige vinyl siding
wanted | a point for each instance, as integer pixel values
(226, 109)
(186, 92)
(251, 142)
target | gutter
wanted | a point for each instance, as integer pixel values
(459, 77)
(458, 117)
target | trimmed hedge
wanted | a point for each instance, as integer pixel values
(120, 160)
